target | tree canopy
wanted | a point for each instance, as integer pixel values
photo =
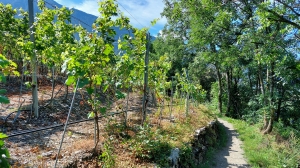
(249, 49)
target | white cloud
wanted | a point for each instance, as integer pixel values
(142, 11)
(88, 6)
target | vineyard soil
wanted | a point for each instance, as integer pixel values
(40, 148)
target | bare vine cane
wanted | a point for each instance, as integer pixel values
(127, 103)
(65, 128)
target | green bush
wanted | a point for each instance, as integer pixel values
(186, 157)
(4, 154)
(149, 145)
(107, 157)
(4, 69)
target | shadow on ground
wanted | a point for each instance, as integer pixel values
(231, 155)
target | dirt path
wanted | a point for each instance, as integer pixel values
(232, 155)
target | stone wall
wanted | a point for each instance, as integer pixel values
(204, 138)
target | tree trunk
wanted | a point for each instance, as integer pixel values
(262, 88)
(187, 104)
(278, 111)
(257, 85)
(250, 81)
(220, 94)
(154, 98)
(67, 93)
(228, 92)
(53, 86)
(236, 98)
(270, 126)
(96, 128)
(127, 103)
(96, 119)
(271, 103)
(34, 83)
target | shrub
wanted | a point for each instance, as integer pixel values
(149, 145)
(4, 154)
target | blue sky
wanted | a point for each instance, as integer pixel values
(143, 11)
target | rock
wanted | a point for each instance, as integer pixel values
(74, 136)
(196, 135)
(197, 132)
(202, 130)
(77, 152)
(47, 154)
(174, 158)
(212, 123)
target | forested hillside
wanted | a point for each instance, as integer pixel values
(244, 53)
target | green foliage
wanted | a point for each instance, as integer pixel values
(158, 69)
(240, 46)
(173, 47)
(149, 145)
(214, 95)
(107, 157)
(194, 89)
(4, 154)
(186, 157)
(120, 95)
(6, 67)
(12, 28)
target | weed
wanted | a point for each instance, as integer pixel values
(107, 157)
(149, 145)
(4, 154)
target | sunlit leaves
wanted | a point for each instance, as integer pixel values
(91, 115)
(2, 136)
(108, 49)
(4, 154)
(70, 80)
(54, 34)
(7, 67)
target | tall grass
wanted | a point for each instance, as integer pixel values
(279, 149)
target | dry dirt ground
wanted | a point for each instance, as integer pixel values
(232, 155)
(39, 149)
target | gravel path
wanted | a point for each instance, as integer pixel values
(232, 155)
